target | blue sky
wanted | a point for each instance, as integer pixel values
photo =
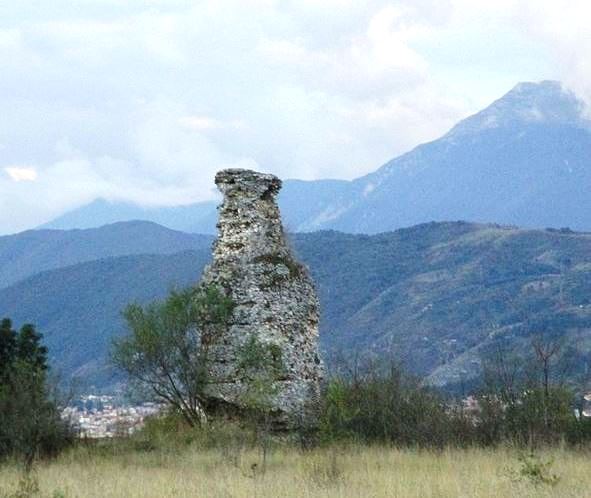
(143, 101)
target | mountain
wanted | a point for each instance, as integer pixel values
(201, 217)
(524, 160)
(78, 308)
(436, 296)
(30, 252)
(440, 296)
(194, 218)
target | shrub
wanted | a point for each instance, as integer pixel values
(534, 470)
(392, 408)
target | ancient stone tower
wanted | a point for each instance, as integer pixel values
(273, 295)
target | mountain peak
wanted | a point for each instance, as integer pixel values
(533, 87)
(527, 102)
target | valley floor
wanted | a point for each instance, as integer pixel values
(352, 472)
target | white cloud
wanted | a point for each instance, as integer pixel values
(558, 29)
(21, 174)
(144, 100)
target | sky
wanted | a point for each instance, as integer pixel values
(144, 100)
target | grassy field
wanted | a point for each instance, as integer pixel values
(351, 472)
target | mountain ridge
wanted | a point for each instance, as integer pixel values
(32, 251)
(505, 164)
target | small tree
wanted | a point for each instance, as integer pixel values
(164, 352)
(260, 366)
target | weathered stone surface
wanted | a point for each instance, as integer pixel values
(273, 294)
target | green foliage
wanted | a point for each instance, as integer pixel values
(7, 348)
(164, 353)
(258, 358)
(339, 412)
(171, 433)
(212, 306)
(392, 407)
(529, 417)
(24, 346)
(30, 422)
(295, 268)
(389, 407)
(260, 365)
(524, 401)
(29, 348)
(534, 470)
(578, 432)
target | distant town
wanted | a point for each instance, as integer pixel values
(103, 416)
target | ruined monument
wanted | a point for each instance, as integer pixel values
(273, 300)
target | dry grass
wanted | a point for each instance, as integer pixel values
(353, 472)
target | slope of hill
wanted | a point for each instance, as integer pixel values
(440, 296)
(194, 218)
(523, 160)
(508, 164)
(436, 296)
(30, 252)
(78, 308)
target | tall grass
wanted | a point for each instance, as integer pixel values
(192, 470)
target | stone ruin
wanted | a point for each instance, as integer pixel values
(273, 296)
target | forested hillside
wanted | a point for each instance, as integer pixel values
(30, 252)
(437, 296)
(441, 296)
(77, 308)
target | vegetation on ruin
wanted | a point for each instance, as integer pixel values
(295, 268)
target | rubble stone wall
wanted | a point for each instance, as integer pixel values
(274, 298)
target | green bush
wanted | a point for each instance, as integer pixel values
(528, 417)
(390, 408)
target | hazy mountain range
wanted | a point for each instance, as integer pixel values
(436, 296)
(30, 252)
(524, 160)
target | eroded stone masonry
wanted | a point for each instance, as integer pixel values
(274, 299)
